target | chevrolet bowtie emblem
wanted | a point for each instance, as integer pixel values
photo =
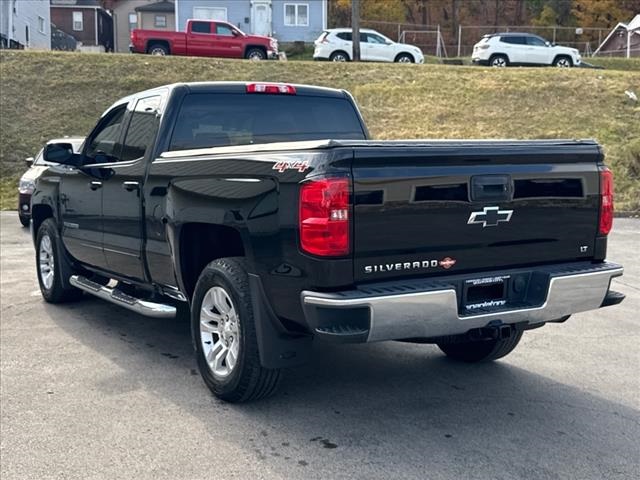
(490, 217)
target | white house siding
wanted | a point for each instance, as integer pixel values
(17, 15)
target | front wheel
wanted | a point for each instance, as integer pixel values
(256, 54)
(404, 58)
(53, 267)
(481, 350)
(563, 62)
(224, 334)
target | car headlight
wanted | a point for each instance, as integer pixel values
(273, 44)
(26, 186)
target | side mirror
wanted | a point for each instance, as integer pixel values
(547, 43)
(61, 153)
(29, 161)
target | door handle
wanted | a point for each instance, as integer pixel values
(94, 185)
(130, 186)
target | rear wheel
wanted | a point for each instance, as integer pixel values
(158, 49)
(563, 62)
(256, 54)
(224, 334)
(53, 267)
(339, 56)
(24, 221)
(499, 61)
(405, 58)
(481, 350)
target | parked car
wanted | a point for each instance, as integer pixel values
(27, 183)
(505, 49)
(228, 199)
(336, 45)
(205, 38)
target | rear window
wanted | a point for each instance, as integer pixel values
(216, 119)
(344, 36)
(514, 40)
(200, 27)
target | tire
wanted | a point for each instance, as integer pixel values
(499, 61)
(223, 330)
(339, 56)
(256, 54)
(405, 58)
(481, 350)
(24, 221)
(158, 49)
(53, 266)
(563, 62)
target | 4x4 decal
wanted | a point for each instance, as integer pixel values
(301, 166)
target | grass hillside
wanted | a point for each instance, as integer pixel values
(45, 95)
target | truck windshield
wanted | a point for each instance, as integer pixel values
(215, 120)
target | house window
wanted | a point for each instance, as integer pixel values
(78, 23)
(41, 25)
(210, 13)
(133, 21)
(160, 21)
(296, 14)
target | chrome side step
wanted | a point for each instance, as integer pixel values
(113, 295)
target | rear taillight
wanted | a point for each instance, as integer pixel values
(271, 88)
(325, 211)
(606, 201)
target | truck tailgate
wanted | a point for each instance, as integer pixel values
(433, 208)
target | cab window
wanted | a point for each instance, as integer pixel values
(224, 30)
(200, 27)
(142, 130)
(103, 147)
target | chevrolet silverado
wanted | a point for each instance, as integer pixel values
(268, 213)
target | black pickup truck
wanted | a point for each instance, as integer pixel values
(266, 210)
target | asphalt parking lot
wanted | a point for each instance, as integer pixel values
(89, 390)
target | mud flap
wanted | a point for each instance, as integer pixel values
(277, 348)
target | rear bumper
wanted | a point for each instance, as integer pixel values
(431, 309)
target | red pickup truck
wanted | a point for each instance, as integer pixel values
(204, 38)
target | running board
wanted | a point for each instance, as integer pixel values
(113, 295)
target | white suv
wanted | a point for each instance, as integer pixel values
(504, 49)
(336, 45)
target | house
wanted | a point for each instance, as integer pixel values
(286, 20)
(622, 41)
(25, 24)
(86, 21)
(149, 14)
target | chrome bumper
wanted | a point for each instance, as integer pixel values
(433, 311)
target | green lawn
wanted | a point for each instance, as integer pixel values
(45, 95)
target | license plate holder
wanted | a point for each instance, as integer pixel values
(484, 293)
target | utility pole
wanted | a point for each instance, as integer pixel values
(355, 25)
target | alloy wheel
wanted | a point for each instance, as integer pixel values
(219, 331)
(46, 261)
